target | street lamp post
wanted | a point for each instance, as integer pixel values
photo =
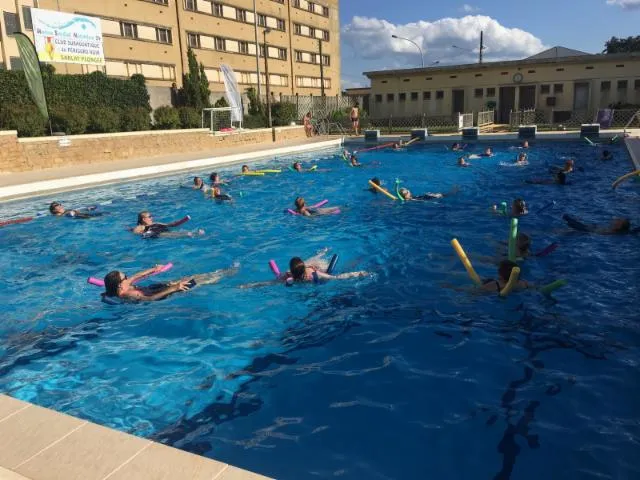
(411, 41)
(266, 74)
(255, 26)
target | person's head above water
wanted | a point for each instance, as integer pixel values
(462, 161)
(56, 209)
(376, 181)
(488, 151)
(112, 282)
(216, 191)
(145, 218)
(455, 146)
(519, 207)
(522, 157)
(245, 168)
(525, 144)
(297, 166)
(405, 193)
(620, 225)
(299, 203)
(297, 268)
(504, 269)
(197, 181)
(606, 154)
(214, 177)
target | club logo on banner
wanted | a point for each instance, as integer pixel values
(67, 38)
(233, 94)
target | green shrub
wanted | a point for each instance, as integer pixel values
(221, 103)
(71, 119)
(104, 120)
(254, 121)
(25, 119)
(135, 120)
(283, 113)
(190, 117)
(166, 118)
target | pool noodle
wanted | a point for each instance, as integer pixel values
(320, 204)
(382, 190)
(589, 141)
(332, 264)
(547, 289)
(268, 171)
(513, 233)
(274, 268)
(15, 221)
(624, 177)
(384, 145)
(314, 168)
(400, 197)
(513, 281)
(100, 283)
(179, 222)
(466, 262)
(253, 174)
(546, 251)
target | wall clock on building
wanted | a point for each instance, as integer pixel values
(517, 78)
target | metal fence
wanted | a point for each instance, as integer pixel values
(562, 119)
(522, 117)
(486, 118)
(465, 120)
(335, 108)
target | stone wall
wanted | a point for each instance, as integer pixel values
(25, 154)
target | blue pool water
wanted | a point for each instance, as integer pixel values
(394, 376)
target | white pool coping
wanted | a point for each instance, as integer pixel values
(28, 190)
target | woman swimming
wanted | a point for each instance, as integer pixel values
(406, 195)
(57, 209)
(217, 194)
(149, 229)
(487, 153)
(305, 211)
(215, 180)
(118, 285)
(463, 163)
(522, 159)
(353, 161)
(504, 272)
(616, 227)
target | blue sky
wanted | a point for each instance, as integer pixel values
(513, 29)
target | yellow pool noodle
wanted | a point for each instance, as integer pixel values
(513, 281)
(382, 190)
(624, 177)
(253, 174)
(466, 262)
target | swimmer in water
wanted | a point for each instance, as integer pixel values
(215, 180)
(525, 144)
(149, 229)
(463, 163)
(312, 270)
(354, 161)
(606, 155)
(375, 181)
(297, 166)
(504, 272)
(217, 194)
(618, 226)
(57, 209)
(569, 167)
(406, 195)
(245, 169)
(560, 178)
(522, 159)
(518, 208)
(487, 153)
(118, 285)
(456, 147)
(305, 211)
(198, 184)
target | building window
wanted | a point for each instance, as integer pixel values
(310, 6)
(217, 9)
(504, 73)
(163, 35)
(297, 29)
(378, 98)
(545, 89)
(439, 94)
(129, 30)
(282, 53)
(262, 20)
(622, 84)
(531, 71)
(326, 60)
(325, 35)
(298, 56)
(559, 69)
(406, 80)
(605, 86)
(220, 43)
(190, 5)
(619, 66)
(588, 68)
(241, 15)
(262, 50)
(243, 47)
(402, 97)
(478, 92)
(491, 92)
(478, 74)
(312, 32)
(426, 95)
(389, 97)
(453, 76)
(280, 24)
(161, 2)
(429, 78)
(193, 40)
(12, 25)
(325, 11)
(414, 96)
(636, 85)
(558, 88)
(26, 16)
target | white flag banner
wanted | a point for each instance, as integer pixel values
(232, 93)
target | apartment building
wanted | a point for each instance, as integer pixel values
(558, 81)
(151, 37)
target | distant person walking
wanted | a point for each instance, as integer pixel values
(355, 118)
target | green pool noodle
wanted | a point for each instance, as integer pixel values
(513, 233)
(547, 289)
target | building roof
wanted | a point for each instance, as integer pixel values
(357, 90)
(556, 52)
(588, 58)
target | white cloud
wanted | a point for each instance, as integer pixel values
(626, 4)
(371, 40)
(466, 8)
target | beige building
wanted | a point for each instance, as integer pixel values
(151, 37)
(557, 82)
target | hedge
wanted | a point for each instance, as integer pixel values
(90, 91)
(166, 118)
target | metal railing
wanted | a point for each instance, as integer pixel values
(486, 118)
(635, 116)
(465, 120)
(522, 117)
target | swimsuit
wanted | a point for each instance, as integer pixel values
(490, 280)
(428, 196)
(154, 230)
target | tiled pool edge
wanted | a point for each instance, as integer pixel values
(633, 147)
(27, 190)
(40, 444)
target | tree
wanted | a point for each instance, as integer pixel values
(255, 105)
(622, 45)
(195, 85)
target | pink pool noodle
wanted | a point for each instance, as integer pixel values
(274, 268)
(179, 222)
(100, 283)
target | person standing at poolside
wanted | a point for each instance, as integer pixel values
(355, 118)
(308, 126)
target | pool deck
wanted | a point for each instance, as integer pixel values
(39, 444)
(633, 145)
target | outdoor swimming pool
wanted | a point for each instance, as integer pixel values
(391, 376)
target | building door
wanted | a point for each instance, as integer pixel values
(581, 96)
(507, 101)
(527, 97)
(458, 101)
